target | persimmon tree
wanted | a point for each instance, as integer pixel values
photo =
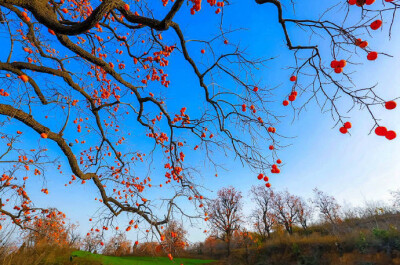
(225, 215)
(48, 228)
(174, 238)
(90, 81)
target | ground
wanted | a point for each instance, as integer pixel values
(108, 260)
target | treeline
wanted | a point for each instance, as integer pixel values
(284, 228)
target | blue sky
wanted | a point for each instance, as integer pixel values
(354, 168)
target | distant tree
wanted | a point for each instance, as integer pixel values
(148, 249)
(118, 245)
(74, 236)
(197, 248)
(244, 240)
(263, 217)
(373, 208)
(173, 239)
(225, 214)
(327, 206)
(210, 244)
(396, 198)
(286, 209)
(349, 212)
(91, 242)
(305, 212)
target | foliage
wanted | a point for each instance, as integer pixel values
(118, 245)
(173, 239)
(49, 228)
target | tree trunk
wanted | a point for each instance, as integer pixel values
(228, 245)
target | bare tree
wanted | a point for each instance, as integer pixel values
(305, 213)
(74, 236)
(286, 209)
(225, 213)
(396, 198)
(91, 242)
(263, 216)
(118, 245)
(327, 206)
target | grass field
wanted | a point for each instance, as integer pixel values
(108, 260)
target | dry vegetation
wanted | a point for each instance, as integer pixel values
(361, 236)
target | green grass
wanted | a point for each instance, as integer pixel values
(109, 260)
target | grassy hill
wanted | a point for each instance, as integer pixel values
(109, 260)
